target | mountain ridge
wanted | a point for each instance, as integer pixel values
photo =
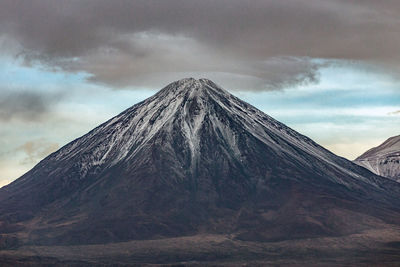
(193, 159)
(384, 159)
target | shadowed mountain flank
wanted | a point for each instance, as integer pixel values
(193, 159)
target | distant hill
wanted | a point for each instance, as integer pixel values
(384, 159)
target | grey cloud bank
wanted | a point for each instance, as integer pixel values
(26, 105)
(256, 45)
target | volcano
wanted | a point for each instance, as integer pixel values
(193, 160)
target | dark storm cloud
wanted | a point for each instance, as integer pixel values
(259, 44)
(25, 105)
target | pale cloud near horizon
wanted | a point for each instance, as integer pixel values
(394, 112)
(36, 150)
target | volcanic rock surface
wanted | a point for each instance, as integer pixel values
(193, 160)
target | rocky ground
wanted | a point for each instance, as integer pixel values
(373, 247)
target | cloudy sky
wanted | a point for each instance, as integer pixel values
(327, 68)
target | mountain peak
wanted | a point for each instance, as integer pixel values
(187, 82)
(191, 159)
(391, 145)
(191, 80)
(189, 85)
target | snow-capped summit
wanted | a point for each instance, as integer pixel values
(384, 159)
(185, 108)
(193, 158)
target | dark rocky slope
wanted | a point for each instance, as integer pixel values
(190, 160)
